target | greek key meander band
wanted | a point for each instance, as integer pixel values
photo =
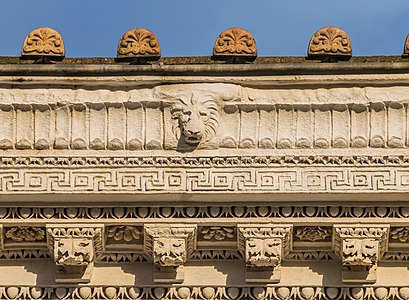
(128, 180)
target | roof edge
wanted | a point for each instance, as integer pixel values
(204, 69)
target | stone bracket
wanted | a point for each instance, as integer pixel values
(360, 247)
(75, 249)
(169, 246)
(264, 246)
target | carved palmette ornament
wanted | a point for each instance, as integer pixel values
(330, 42)
(235, 42)
(406, 47)
(138, 43)
(43, 42)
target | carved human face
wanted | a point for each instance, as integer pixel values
(263, 252)
(196, 118)
(363, 252)
(73, 251)
(169, 251)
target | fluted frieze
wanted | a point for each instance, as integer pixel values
(203, 116)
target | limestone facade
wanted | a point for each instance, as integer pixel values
(218, 181)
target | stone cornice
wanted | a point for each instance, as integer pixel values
(208, 69)
(254, 75)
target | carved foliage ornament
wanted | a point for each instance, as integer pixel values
(138, 42)
(217, 233)
(196, 119)
(25, 234)
(400, 233)
(378, 232)
(235, 42)
(312, 233)
(330, 41)
(43, 42)
(124, 232)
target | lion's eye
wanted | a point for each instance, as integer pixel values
(203, 113)
(176, 111)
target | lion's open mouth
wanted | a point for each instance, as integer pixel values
(192, 139)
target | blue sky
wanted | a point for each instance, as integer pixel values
(92, 28)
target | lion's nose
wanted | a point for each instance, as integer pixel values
(193, 132)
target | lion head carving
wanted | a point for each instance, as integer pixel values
(196, 119)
